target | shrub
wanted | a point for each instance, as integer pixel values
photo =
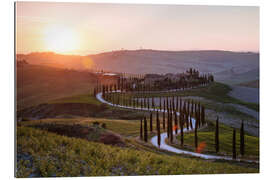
(103, 125)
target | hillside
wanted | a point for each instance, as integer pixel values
(38, 84)
(223, 64)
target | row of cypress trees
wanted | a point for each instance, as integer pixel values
(179, 121)
(242, 139)
(175, 121)
(144, 128)
(138, 83)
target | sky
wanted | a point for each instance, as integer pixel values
(87, 28)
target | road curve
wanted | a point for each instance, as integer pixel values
(163, 136)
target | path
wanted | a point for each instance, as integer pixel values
(163, 144)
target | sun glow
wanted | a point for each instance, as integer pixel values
(62, 39)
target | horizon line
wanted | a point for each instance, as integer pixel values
(118, 50)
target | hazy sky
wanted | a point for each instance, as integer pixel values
(84, 28)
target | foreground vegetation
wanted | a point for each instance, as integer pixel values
(45, 154)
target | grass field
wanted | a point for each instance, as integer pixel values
(45, 154)
(207, 135)
(122, 127)
(82, 98)
(40, 84)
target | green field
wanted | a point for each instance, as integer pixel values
(123, 127)
(82, 98)
(207, 135)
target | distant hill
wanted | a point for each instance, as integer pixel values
(39, 84)
(223, 64)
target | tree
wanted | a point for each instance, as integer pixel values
(234, 144)
(145, 130)
(195, 131)
(168, 123)
(141, 130)
(217, 136)
(187, 120)
(164, 106)
(163, 120)
(171, 128)
(203, 115)
(175, 122)
(158, 129)
(95, 92)
(151, 125)
(182, 129)
(160, 102)
(177, 99)
(199, 116)
(242, 139)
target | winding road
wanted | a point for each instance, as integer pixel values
(163, 144)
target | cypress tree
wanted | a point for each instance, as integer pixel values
(195, 132)
(182, 129)
(170, 108)
(180, 104)
(173, 106)
(167, 102)
(242, 139)
(217, 136)
(168, 123)
(177, 99)
(192, 107)
(203, 115)
(145, 130)
(234, 144)
(164, 106)
(160, 102)
(187, 120)
(175, 122)
(199, 116)
(171, 129)
(163, 120)
(151, 125)
(141, 130)
(188, 107)
(158, 129)
(95, 92)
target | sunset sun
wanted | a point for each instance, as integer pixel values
(60, 39)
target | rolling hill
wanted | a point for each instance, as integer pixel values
(223, 64)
